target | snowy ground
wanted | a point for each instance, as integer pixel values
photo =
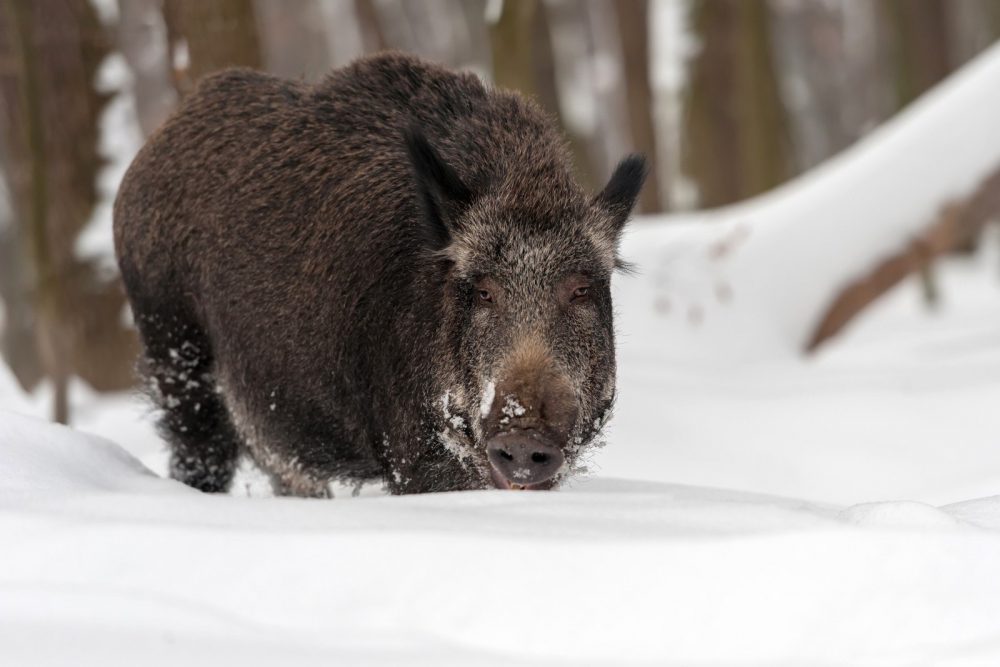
(904, 405)
(862, 528)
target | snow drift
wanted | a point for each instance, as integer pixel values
(756, 278)
(103, 556)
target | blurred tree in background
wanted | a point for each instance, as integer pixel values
(633, 33)
(727, 98)
(736, 140)
(214, 35)
(69, 320)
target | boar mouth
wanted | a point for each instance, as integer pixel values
(523, 460)
(506, 485)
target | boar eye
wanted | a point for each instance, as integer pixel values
(486, 292)
(574, 289)
(581, 293)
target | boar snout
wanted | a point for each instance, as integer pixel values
(523, 459)
(533, 414)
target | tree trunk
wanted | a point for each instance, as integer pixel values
(372, 35)
(142, 37)
(474, 52)
(736, 129)
(51, 51)
(918, 35)
(633, 31)
(294, 39)
(19, 345)
(523, 60)
(973, 25)
(218, 34)
(834, 74)
(511, 37)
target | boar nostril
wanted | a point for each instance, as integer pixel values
(523, 461)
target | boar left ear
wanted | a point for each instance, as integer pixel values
(442, 193)
(619, 195)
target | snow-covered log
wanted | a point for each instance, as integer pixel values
(758, 278)
(957, 225)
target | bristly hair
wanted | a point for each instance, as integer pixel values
(626, 267)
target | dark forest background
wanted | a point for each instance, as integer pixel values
(727, 98)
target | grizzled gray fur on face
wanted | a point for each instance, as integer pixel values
(390, 274)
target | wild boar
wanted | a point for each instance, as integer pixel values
(391, 274)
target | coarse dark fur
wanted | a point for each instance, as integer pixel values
(330, 278)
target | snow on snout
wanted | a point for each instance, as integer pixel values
(457, 422)
(486, 403)
(512, 407)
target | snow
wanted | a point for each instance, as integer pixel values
(784, 255)
(489, 393)
(106, 560)
(512, 407)
(901, 406)
(752, 507)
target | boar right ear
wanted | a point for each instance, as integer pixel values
(619, 195)
(442, 193)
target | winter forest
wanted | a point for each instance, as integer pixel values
(803, 466)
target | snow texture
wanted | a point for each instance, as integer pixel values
(104, 561)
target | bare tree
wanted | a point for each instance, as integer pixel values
(19, 346)
(633, 30)
(142, 37)
(473, 36)
(451, 32)
(833, 68)
(294, 39)
(737, 142)
(917, 31)
(954, 225)
(523, 60)
(50, 52)
(973, 25)
(511, 38)
(372, 34)
(217, 34)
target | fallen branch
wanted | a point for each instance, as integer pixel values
(956, 225)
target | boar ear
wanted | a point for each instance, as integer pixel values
(442, 193)
(619, 195)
